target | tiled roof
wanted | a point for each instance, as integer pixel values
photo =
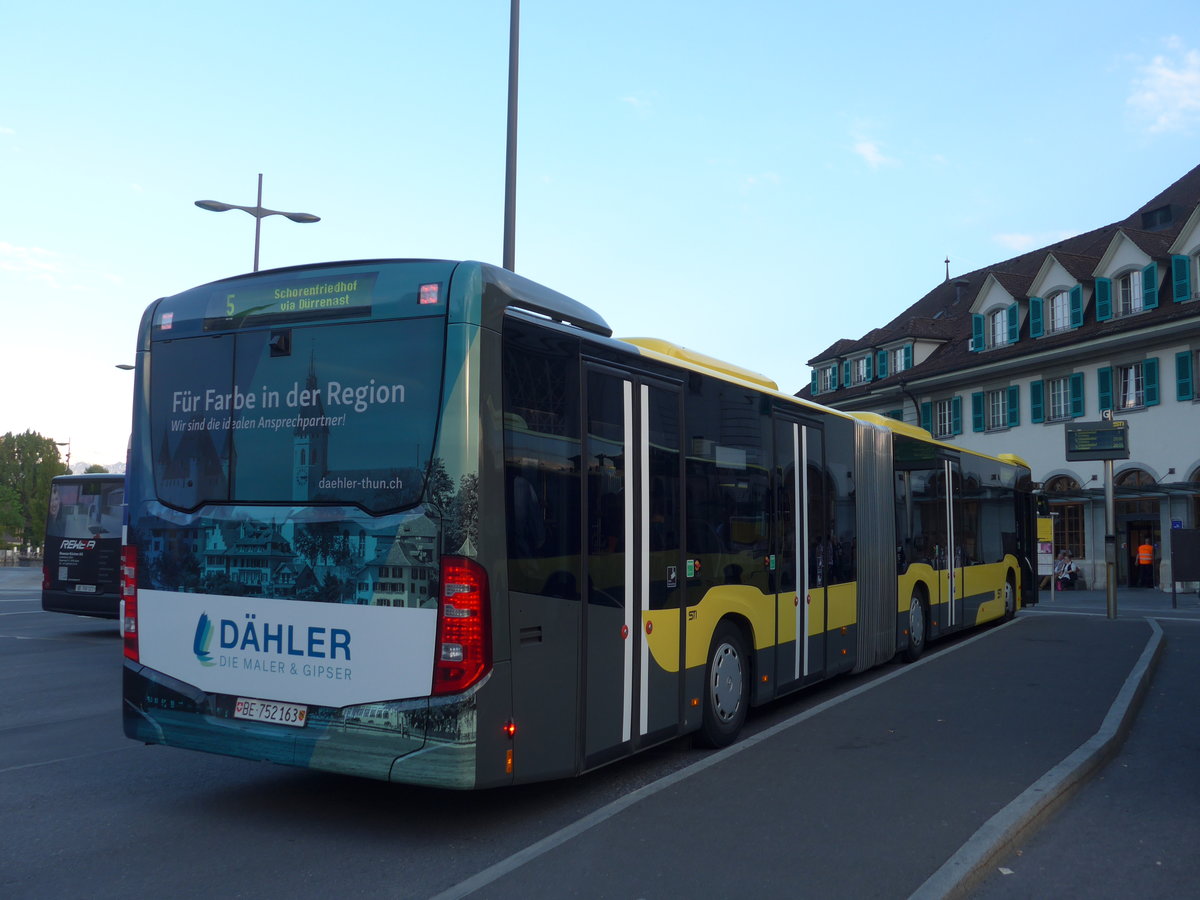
(944, 313)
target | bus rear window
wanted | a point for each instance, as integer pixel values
(80, 509)
(330, 413)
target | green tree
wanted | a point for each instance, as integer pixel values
(10, 514)
(28, 463)
(96, 469)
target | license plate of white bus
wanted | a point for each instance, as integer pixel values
(292, 714)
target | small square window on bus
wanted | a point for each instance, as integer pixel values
(428, 294)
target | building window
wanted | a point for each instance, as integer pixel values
(1131, 391)
(826, 379)
(997, 409)
(1060, 399)
(1129, 293)
(900, 358)
(943, 425)
(862, 370)
(998, 328)
(1060, 312)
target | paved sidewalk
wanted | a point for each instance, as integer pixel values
(911, 785)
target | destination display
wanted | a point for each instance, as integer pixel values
(290, 298)
(1097, 441)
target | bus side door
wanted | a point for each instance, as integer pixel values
(633, 635)
(800, 600)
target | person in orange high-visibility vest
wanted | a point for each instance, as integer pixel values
(1145, 561)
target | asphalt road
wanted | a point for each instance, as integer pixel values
(825, 796)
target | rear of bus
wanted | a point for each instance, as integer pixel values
(82, 551)
(301, 582)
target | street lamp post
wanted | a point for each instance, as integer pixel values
(259, 212)
(510, 159)
(67, 444)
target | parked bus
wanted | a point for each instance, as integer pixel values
(429, 522)
(81, 562)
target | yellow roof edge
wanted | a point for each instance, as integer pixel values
(702, 361)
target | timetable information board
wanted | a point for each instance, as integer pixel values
(1097, 441)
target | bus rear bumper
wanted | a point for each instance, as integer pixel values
(100, 606)
(409, 741)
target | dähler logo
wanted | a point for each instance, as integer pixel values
(200, 644)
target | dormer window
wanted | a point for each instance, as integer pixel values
(861, 372)
(1129, 293)
(997, 328)
(901, 358)
(1058, 305)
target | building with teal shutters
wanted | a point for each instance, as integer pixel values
(1002, 359)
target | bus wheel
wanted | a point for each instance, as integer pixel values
(726, 688)
(1010, 600)
(916, 628)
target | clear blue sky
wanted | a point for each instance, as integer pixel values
(751, 180)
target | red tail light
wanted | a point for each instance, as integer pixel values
(129, 616)
(464, 627)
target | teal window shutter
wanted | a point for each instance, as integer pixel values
(833, 373)
(1183, 376)
(976, 332)
(1036, 327)
(846, 373)
(977, 411)
(1150, 286)
(1014, 323)
(908, 356)
(1076, 394)
(897, 414)
(1150, 380)
(813, 389)
(1037, 394)
(927, 416)
(1181, 277)
(1104, 387)
(1103, 299)
(956, 415)
(1014, 406)
(881, 364)
(869, 374)
(1076, 306)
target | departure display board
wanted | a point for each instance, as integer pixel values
(1097, 440)
(285, 299)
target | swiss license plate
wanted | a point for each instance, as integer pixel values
(85, 588)
(293, 714)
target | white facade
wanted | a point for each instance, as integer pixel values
(1105, 322)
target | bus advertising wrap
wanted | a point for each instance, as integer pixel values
(327, 654)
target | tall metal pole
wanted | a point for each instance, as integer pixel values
(510, 167)
(1110, 539)
(257, 222)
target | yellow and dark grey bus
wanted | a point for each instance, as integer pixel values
(429, 522)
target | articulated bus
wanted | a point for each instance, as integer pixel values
(429, 522)
(81, 562)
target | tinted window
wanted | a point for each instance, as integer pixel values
(330, 413)
(85, 509)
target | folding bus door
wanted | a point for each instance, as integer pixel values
(633, 638)
(951, 552)
(800, 593)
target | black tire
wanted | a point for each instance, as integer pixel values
(726, 688)
(918, 627)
